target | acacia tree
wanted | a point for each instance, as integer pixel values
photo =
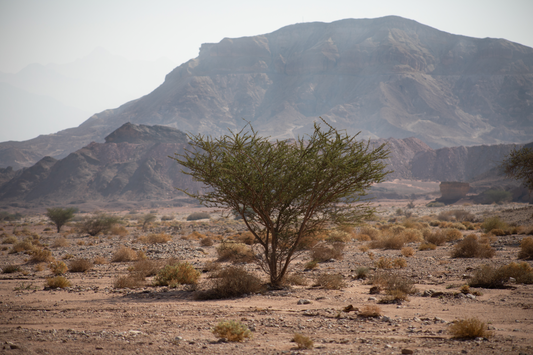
(60, 216)
(519, 165)
(285, 191)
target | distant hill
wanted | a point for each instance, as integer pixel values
(133, 169)
(386, 77)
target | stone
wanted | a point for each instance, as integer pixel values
(304, 301)
(407, 351)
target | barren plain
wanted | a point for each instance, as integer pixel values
(93, 316)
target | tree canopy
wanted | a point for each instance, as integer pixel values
(519, 165)
(286, 190)
(60, 216)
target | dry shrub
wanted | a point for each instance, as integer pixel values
(295, 279)
(119, 230)
(394, 241)
(159, 238)
(407, 251)
(57, 282)
(437, 238)
(372, 232)
(124, 254)
(363, 237)
(397, 287)
(235, 252)
(100, 260)
(60, 242)
(231, 282)
(411, 235)
(397, 229)
(399, 263)
(470, 328)
(210, 266)
(493, 223)
(302, 341)
(452, 234)
(471, 248)
(9, 269)
(25, 245)
(518, 230)
(427, 246)
(338, 236)
(178, 274)
(130, 281)
(526, 249)
(194, 236)
(10, 239)
(330, 281)
(145, 268)
(390, 263)
(370, 311)
(245, 238)
(411, 224)
(58, 267)
(206, 242)
(490, 277)
(310, 265)
(364, 248)
(323, 252)
(446, 216)
(41, 255)
(80, 265)
(499, 232)
(362, 272)
(232, 330)
(80, 242)
(39, 267)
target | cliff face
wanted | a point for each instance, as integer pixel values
(387, 77)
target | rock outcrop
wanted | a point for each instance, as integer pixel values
(386, 77)
(452, 191)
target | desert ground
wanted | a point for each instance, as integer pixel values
(95, 315)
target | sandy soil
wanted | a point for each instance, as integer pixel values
(92, 317)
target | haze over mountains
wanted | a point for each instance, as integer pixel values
(386, 77)
(48, 98)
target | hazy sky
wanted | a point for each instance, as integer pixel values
(60, 31)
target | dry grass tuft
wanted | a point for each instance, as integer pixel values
(526, 249)
(295, 279)
(302, 341)
(80, 265)
(158, 238)
(124, 254)
(330, 281)
(436, 238)
(471, 248)
(178, 274)
(396, 286)
(57, 282)
(490, 277)
(235, 252)
(9, 269)
(370, 311)
(427, 246)
(470, 328)
(60, 242)
(372, 232)
(452, 234)
(395, 241)
(244, 238)
(407, 251)
(206, 242)
(130, 281)
(493, 223)
(119, 230)
(323, 252)
(411, 235)
(100, 260)
(194, 236)
(41, 255)
(145, 268)
(233, 331)
(58, 267)
(10, 239)
(231, 282)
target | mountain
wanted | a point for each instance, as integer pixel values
(386, 77)
(132, 168)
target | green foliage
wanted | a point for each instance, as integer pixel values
(60, 216)
(493, 223)
(232, 331)
(178, 274)
(99, 223)
(6, 216)
(519, 165)
(198, 215)
(295, 189)
(497, 196)
(147, 219)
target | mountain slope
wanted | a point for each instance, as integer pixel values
(386, 77)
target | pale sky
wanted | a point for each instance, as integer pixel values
(61, 31)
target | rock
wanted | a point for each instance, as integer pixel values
(470, 296)
(303, 301)
(371, 298)
(407, 351)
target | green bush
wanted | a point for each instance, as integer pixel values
(198, 215)
(178, 274)
(493, 223)
(497, 196)
(99, 223)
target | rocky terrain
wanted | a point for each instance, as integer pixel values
(133, 169)
(387, 77)
(94, 316)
